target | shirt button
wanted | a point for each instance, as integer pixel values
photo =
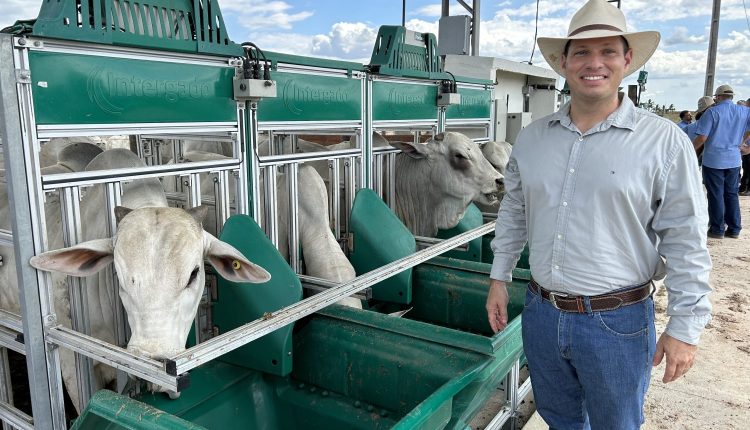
(557, 267)
(559, 236)
(572, 170)
(580, 139)
(565, 203)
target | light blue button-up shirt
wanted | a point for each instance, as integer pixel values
(724, 124)
(683, 125)
(606, 209)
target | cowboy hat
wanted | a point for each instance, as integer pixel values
(724, 90)
(597, 19)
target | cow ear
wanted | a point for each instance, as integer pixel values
(120, 212)
(83, 259)
(413, 150)
(199, 213)
(230, 263)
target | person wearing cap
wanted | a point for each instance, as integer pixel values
(721, 133)
(686, 118)
(608, 197)
(704, 103)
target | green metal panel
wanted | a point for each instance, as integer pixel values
(238, 304)
(174, 25)
(472, 219)
(417, 57)
(108, 90)
(380, 238)
(305, 97)
(475, 103)
(402, 101)
(111, 411)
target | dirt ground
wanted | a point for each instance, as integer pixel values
(715, 393)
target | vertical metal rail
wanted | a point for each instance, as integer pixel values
(70, 208)
(251, 126)
(391, 162)
(335, 166)
(293, 184)
(6, 390)
(350, 190)
(242, 151)
(272, 221)
(27, 220)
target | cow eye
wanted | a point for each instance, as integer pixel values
(193, 276)
(461, 156)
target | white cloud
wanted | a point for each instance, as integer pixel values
(434, 10)
(12, 10)
(258, 14)
(346, 40)
(681, 36)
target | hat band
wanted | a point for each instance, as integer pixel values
(594, 27)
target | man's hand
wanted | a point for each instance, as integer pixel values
(497, 305)
(680, 356)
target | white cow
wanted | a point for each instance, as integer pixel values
(322, 254)
(158, 254)
(498, 154)
(436, 181)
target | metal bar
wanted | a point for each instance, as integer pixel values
(221, 190)
(6, 387)
(16, 417)
(73, 130)
(119, 358)
(293, 183)
(255, 172)
(6, 238)
(319, 284)
(425, 241)
(271, 203)
(335, 178)
(350, 190)
(10, 339)
(391, 190)
(194, 185)
(62, 180)
(231, 340)
(275, 160)
(27, 221)
(307, 126)
(70, 199)
(11, 321)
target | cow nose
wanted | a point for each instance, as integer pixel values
(500, 182)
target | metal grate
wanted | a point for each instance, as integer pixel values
(176, 25)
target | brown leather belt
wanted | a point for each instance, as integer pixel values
(602, 302)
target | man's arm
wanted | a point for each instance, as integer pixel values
(745, 147)
(510, 237)
(680, 222)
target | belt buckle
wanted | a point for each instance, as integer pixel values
(553, 299)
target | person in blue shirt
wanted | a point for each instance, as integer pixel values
(686, 118)
(721, 131)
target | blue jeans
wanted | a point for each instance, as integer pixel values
(589, 370)
(722, 186)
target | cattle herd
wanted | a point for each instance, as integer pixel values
(158, 251)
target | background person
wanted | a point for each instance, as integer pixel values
(601, 190)
(685, 118)
(720, 132)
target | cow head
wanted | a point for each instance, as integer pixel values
(159, 257)
(457, 167)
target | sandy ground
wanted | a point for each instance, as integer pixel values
(715, 394)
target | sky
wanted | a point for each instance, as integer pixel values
(346, 29)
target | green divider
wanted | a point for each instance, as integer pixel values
(472, 219)
(475, 103)
(238, 304)
(108, 410)
(380, 238)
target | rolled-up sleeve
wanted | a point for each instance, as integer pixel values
(680, 222)
(510, 227)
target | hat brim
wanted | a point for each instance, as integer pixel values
(643, 43)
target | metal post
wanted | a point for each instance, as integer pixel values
(475, 22)
(708, 88)
(335, 205)
(25, 214)
(271, 204)
(6, 388)
(293, 184)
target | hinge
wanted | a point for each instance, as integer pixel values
(23, 76)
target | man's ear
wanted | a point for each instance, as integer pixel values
(628, 57)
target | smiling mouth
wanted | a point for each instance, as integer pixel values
(593, 78)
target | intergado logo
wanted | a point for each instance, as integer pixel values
(109, 89)
(297, 95)
(400, 101)
(470, 103)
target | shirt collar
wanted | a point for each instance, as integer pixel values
(623, 117)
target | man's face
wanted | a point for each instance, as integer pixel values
(688, 117)
(594, 68)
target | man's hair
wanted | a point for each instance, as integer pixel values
(683, 113)
(625, 46)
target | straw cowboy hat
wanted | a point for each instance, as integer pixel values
(596, 19)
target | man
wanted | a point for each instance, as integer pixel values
(704, 103)
(721, 132)
(602, 190)
(686, 118)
